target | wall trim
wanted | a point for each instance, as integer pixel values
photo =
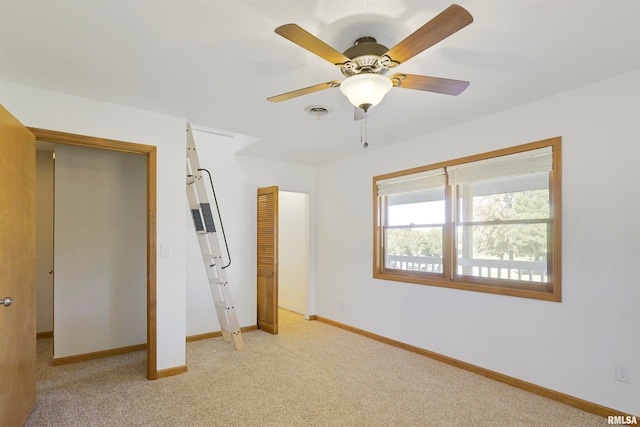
(97, 354)
(576, 402)
(164, 373)
(217, 334)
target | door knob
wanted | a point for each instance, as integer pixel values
(6, 301)
(50, 271)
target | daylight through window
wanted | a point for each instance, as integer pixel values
(487, 223)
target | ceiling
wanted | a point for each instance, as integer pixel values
(215, 62)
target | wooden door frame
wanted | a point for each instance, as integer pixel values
(150, 152)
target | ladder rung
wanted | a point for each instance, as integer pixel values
(206, 232)
(222, 304)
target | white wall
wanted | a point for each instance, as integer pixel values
(571, 347)
(236, 179)
(100, 293)
(293, 251)
(66, 113)
(44, 241)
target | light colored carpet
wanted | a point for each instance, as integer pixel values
(311, 374)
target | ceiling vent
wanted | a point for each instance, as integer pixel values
(317, 110)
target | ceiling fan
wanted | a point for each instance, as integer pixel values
(365, 63)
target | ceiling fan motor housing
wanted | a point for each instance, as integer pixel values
(364, 55)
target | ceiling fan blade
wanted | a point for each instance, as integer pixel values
(310, 42)
(304, 91)
(429, 84)
(449, 21)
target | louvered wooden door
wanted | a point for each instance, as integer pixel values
(268, 259)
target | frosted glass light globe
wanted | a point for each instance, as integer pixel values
(366, 90)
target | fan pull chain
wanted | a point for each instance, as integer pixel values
(366, 144)
(363, 133)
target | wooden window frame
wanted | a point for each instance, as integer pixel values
(551, 291)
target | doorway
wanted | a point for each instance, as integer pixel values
(293, 238)
(150, 170)
(283, 255)
(44, 238)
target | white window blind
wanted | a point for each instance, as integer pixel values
(427, 180)
(522, 163)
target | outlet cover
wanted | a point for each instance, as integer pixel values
(165, 250)
(623, 373)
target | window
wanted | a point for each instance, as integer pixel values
(488, 223)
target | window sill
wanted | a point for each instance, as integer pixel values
(540, 292)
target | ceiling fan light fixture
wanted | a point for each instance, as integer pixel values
(366, 90)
